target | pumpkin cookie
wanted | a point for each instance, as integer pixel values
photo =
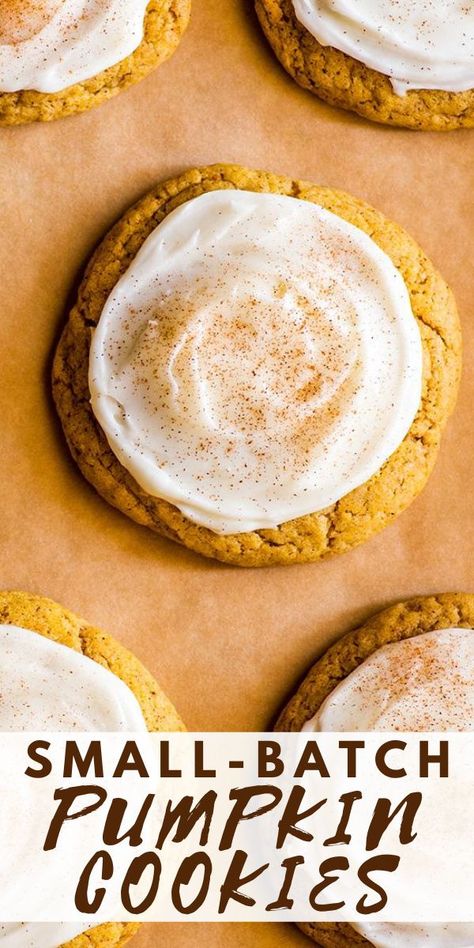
(420, 653)
(278, 441)
(20, 614)
(363, 61)
(57, 59)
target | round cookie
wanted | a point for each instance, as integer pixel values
(343, 81)
(51, 620)
(360, 513)
(402, 621)
(165, 23)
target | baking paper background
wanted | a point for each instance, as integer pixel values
(227, 645)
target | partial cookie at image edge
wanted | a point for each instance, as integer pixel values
(346, 83)
(401, 621)
(165, 23)
(47, 618)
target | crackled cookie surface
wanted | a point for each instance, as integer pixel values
(58, 57)
(410, 667)
(409, 64)
(290, 363)
(59, 673)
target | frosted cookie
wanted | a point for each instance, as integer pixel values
(58, 673)
(258, 368)
(58, 57)
(420, 656)
(409, 63)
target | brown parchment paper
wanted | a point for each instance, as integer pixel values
(226, 644)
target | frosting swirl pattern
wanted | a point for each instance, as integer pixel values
(258, 360)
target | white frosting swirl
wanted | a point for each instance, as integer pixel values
(418, 44)
(425, 683)
(49, 45)
(46, 686)
(258, 360)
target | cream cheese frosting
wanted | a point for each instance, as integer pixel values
(49, 45)
(258, 360)
(47, 686)
(418, 44)
(424, 683)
